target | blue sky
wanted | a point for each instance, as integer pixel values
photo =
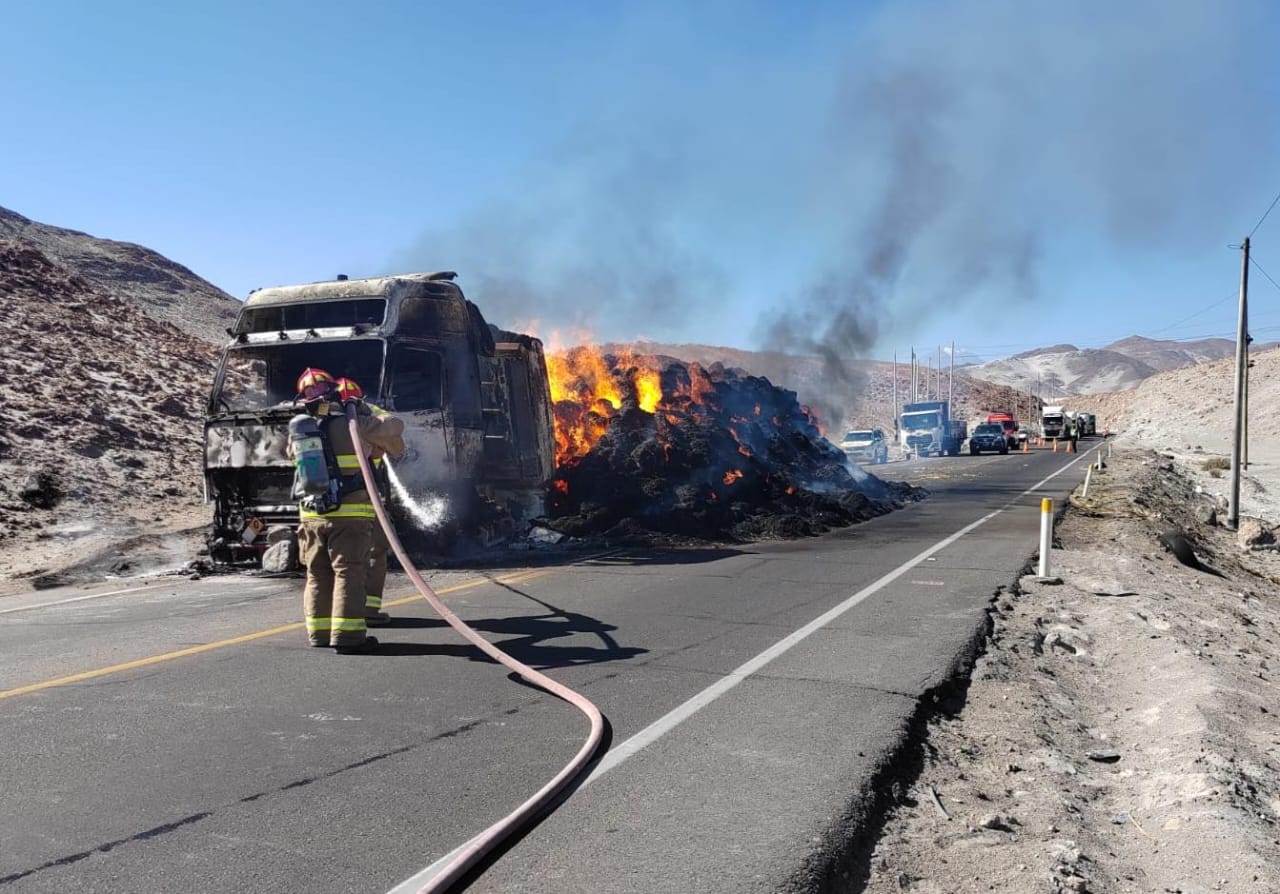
(847, 176)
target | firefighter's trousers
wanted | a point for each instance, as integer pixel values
(335, 552)
(376, 575)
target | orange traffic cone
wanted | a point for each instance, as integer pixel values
(1026, 446)
(1055, 445)
(1070, 449)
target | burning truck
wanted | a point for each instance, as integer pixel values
(475, 400)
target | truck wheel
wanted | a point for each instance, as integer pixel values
(974, 451)
(1004, 451)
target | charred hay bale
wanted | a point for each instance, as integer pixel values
(722, 456)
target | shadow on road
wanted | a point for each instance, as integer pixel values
(527, 639)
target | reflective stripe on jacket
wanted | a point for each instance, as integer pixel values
(346, 510)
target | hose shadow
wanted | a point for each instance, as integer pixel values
(527, 638)
(529, 634)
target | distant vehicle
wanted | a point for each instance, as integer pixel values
(990, 437)
(1088, 424)
(1008, 425)
(866, 445)
(927, 428)
(1053, 420)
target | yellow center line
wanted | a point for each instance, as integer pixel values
(237, 640)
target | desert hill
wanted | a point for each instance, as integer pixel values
(145, 279)
(101, 432)
(1064, 369)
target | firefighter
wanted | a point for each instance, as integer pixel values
(376, 573)
(336, 519)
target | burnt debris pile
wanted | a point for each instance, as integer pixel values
(650, 446)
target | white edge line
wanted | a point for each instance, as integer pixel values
(676, 716)
(26, 608)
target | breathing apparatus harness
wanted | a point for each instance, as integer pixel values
(319, 483)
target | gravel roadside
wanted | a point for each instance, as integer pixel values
(1120, 733)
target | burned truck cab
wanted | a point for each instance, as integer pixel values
(475, 400)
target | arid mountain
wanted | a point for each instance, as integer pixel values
(1062, 370)
(101, 433)
(140, 277)
(1173, 354)
(1065, 369)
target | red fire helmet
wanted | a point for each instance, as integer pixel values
(349, 389)
(315, 384)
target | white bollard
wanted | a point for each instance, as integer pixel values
(1046, 535)
(1088, 474)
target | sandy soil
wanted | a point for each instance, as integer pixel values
(1119, 734)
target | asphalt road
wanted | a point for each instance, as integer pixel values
(177, 735)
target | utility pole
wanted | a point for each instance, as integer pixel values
(1242, 366)
(951, 376)
(895, 396)
(1244, 440)
(913, 375)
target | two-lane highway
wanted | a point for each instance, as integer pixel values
(179, 736)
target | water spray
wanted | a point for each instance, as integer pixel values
(427, 515)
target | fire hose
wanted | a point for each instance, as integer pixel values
(486, 841)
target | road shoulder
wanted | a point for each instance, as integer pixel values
(1119, 733)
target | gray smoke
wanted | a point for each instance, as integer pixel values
(936, 155)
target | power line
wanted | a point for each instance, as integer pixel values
(1264, 216)
(1264, 272)
(1203, 310)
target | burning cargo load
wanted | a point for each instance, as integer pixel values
(650, 446)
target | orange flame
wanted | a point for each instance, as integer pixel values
(731, 476)
(589, 388)
(648, 389)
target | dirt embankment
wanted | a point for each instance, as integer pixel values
(1120, 734)
(100, 444)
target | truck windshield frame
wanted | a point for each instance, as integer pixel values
(253, 378)
(867, 435)
(312, 315)
(920, 421)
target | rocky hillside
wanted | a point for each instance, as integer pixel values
(1162, 355)
(102, 402)
(1192, 408)
(138, 276)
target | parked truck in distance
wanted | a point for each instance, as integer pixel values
(927, 428)
(1053, 422)
(1088, 424)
